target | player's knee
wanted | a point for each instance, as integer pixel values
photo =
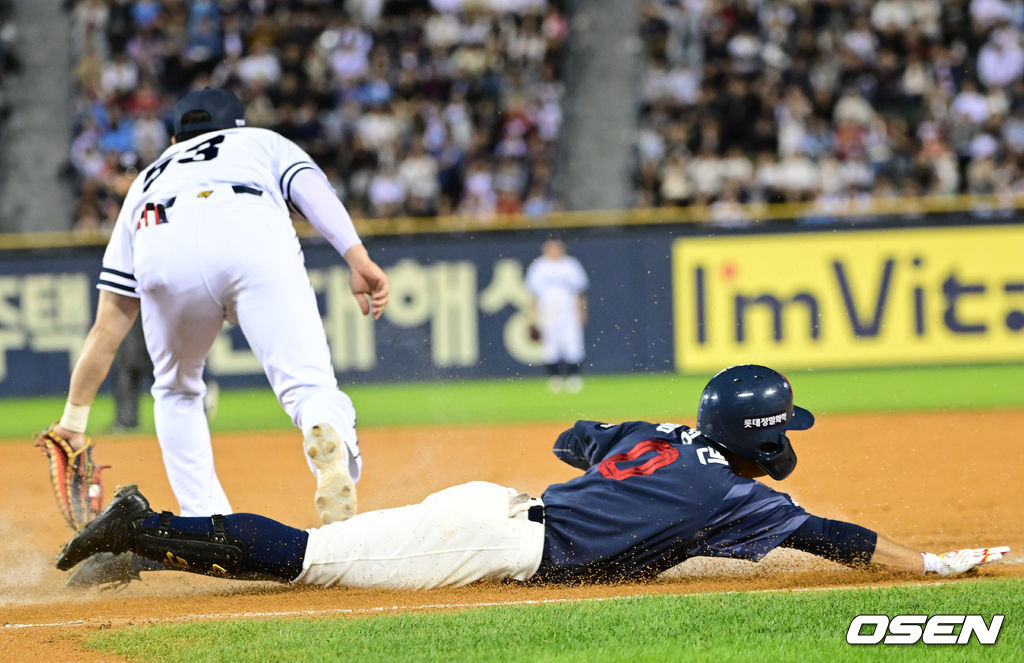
(181, 395)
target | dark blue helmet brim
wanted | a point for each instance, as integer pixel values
(801, 420)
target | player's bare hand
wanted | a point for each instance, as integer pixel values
(368, 281)
(76, 440)
(960, 561)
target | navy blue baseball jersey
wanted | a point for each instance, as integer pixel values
(651, 496)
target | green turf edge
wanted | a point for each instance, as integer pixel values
(661, 396)
(776, 626)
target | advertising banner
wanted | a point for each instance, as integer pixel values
(458, 310)
(840, 299)
(661, 298)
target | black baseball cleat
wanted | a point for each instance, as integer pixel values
(111, 531)
(111, 570)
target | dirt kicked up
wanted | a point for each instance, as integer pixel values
(935, 481)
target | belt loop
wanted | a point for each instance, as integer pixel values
(536, 513)
(241, 188)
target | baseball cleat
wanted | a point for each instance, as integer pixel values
(335, 490)
(111, 570)
(111, 531)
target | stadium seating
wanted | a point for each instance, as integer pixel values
(9, 61)
(828, 101)
(413, 108)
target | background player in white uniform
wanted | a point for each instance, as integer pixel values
(205, 236)
(558, 283)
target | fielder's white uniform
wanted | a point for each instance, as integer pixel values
(557, 284)
(204, 236)
(475, 531)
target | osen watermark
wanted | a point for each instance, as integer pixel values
(933, 630)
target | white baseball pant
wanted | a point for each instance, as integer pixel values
(475, 531)
(561, 336)
(230, 256)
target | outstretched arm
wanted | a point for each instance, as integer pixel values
(115, 315)
(891, 555)
(854, 545)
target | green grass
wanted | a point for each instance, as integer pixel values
(664, 396)
(790, 626)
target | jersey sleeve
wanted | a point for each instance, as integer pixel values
(836, 540)
(314, 198)
(118, 272)
(581, 280)
(588, 442)
(289, 160)
(751, 520)
(532, 278)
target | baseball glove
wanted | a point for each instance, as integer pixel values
(75, 478)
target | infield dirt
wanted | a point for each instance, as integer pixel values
(935, 481)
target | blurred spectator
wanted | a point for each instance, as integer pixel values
(538, 203)
(416, 107)
(387, 193)
(9, 61)
(766, 100)
(728, 210)
(1001, 60)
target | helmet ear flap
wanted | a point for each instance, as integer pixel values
(776, 457)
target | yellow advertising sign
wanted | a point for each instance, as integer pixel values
(872, 298)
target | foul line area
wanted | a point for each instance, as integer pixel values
(394, 609)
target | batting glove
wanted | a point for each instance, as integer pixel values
(960, 561)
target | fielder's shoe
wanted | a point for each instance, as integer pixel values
(111, 531)
(335, 490)
(111, 570)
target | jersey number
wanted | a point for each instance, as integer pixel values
(708, 455)
(204, 151)
(666, 455)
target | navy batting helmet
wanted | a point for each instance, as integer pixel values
(747, 410)
(205, 110)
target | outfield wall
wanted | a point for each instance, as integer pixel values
(688, 297)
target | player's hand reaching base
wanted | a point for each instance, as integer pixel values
(956, 562)
(367, 279)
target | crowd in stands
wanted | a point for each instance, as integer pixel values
(829, 100)
(412, 107)
(425, 107)
(9, 62)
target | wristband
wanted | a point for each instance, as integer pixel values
(75, 417)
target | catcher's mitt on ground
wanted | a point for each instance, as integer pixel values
(75, 478)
